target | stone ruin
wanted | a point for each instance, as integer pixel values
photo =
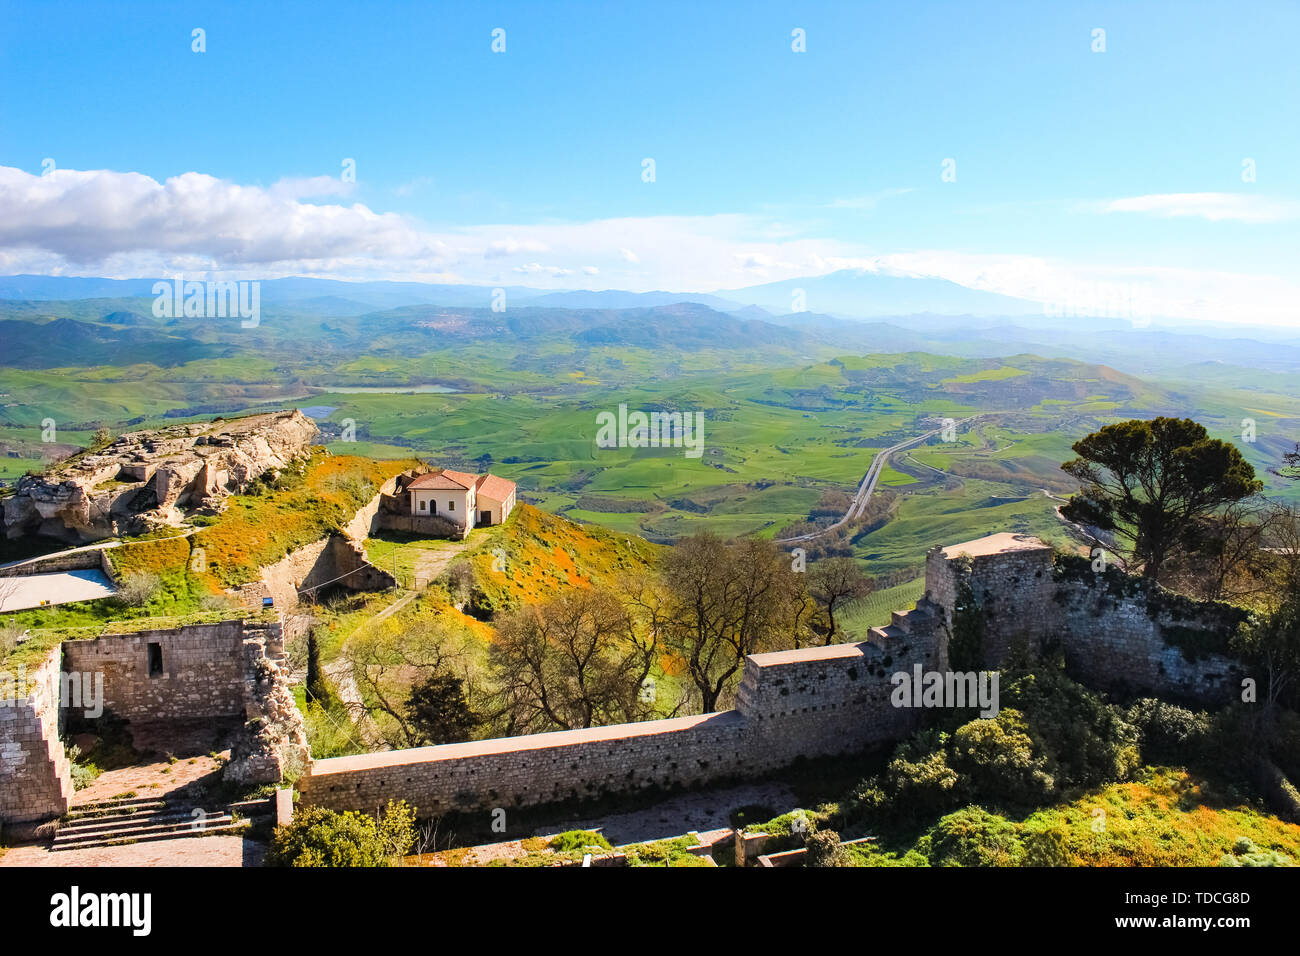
(150, 479)
(1115, 631)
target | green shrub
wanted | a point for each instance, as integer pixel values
(1169, 733)
(1246, 853)
(997, 758)
(572, 840)
(973, 837)
(824, 850)
(1089, 740)
(321, 837)
(138, 588)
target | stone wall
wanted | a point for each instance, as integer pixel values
(202, 671)
(805, 703)
(35, 775)
(334, 560)
(1011, 580)
(89, 559)
(228, 669)
(1130, 635)
(273, 742)
(820, 701)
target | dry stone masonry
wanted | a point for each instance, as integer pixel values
(35, 776)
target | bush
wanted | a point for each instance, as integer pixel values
(918, 782)
(138, 588)
(574, 840)
(1245, 853)
(320, 837)
(1045, 846)
(824, 850)
(1089, 740)
(998, 758)
(973, 837)
(1169, 733)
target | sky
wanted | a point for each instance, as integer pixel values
(1006, 146)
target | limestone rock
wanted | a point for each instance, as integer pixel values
(148, 479)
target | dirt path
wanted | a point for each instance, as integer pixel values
(188, 851)
(429, 563)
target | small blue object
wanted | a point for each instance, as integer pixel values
(268, 602)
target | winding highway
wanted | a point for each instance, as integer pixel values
(858, 506)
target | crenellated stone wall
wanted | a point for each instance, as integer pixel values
(812, 702)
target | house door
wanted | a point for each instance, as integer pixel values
(484, 518)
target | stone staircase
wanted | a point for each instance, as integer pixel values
(143, 819)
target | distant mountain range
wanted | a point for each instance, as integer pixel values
(848, 293)
(858, 312)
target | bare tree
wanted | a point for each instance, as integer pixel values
(833, 583)
(387, 662)
(725, 602)
(577, 661)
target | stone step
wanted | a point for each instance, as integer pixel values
(81, 839)
(116, 807)
(182, 833)
(129, 820)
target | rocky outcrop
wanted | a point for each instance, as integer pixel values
(273, 743)
(149, 479)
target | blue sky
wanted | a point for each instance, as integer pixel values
(1074, 169)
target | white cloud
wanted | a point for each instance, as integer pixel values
(418, 184)
(128, 225)
(537, 269)
(88, 217)
(1216, 207)
(309, 187)
(511, 247)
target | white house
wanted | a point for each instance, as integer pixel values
(466, 500)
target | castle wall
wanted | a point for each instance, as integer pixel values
(1118, 632)
(805, 703)
(202, 671)
(1129, 635)
(35, 774)
(1012, 583)
(821, 701)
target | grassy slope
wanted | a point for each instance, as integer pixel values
(1166, 818)
(257, 529)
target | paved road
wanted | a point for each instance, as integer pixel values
(20, 593)
(859, 504)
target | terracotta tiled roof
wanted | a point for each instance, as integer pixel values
(445, 479)
(498, 489)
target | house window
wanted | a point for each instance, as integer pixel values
(424, 505)
(155, 660)
(451, 506)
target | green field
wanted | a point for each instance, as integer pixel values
(783, 425)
